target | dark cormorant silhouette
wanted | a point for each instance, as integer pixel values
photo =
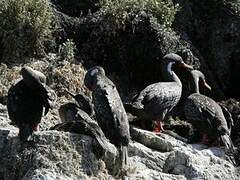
(78, 121)
(83, 102)
(109, 110)
(206, 115)
(158, 99)
(26, 99)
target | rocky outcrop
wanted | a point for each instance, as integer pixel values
(130, 47)
(64, 155)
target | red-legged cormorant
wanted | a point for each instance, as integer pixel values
(26, 99)
(109, 110)
(157, 99)
(206, 115)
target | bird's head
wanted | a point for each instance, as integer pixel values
(33, 78)
(90, 77)
(199, 78)
(173, 58)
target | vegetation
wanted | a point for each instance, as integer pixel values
(59, 76)
(163, 10)
(67, 51)
(25, 28)
(8, 77)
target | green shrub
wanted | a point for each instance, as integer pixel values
(163, 10)
(25, 27)
(67, 51)
(8, 77)
(59, 76)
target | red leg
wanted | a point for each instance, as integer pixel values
(158, 127)
(35, 127)
(205, 139)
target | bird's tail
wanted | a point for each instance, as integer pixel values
(25, 133)
(123, 155)
(226, 140)
(231, 150)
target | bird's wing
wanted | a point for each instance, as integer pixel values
(113, 102)
(110, 112)
(199, 109)
(119, 114)
(228, 117)
(162, 96)
(14, 98)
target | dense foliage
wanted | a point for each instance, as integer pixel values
(25, 28)
(163, 10)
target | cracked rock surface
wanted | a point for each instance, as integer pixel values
(70, 156)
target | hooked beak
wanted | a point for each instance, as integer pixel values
(184, 65)
(207, 85)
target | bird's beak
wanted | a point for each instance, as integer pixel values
(207, 85)
(184, 65)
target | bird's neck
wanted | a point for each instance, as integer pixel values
(196, 85)
(169, 75)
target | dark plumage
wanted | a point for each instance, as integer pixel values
(109, 110)
(83, 102)
(156, 100)
(26, 99)
(76, 120)
(206, 115)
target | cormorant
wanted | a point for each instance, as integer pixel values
(206, 115)
(76, 120)
(109, 110)
(26, 99)
(83, 102)
(157, 99)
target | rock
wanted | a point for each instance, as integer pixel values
(70, 156)
(54, 154)
(191, 161)
(204, 164)
(162, 142)
(101, 147)
(4, 121)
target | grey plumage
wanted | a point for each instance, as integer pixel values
(83, 102)
(32, 78)
(26, 99)
(109, 110)
(158, 99)
(206, 115)
(76, 120)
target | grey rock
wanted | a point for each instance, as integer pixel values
(4, 121)
(54, 154)
(154, 141)
(195, 164)
(69, 156)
